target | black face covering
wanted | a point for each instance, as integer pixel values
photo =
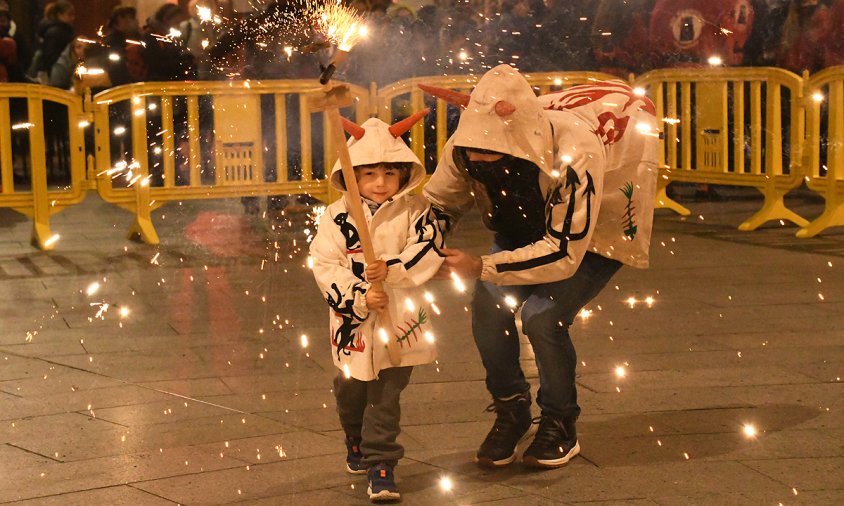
(518, 206)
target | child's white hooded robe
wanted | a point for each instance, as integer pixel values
(407, 235)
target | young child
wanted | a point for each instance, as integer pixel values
(406, 236)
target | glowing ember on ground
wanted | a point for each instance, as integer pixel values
(446, 484)
(749, 430)
(92, 288)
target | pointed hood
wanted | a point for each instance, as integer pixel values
(504, 115)
(378, 145)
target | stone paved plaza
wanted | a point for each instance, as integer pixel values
(204, 391)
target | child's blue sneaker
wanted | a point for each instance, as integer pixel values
(354, 456)
(382, 484)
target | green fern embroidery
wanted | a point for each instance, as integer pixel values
(629, 215)
(413, 326)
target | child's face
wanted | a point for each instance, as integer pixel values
(378, 184)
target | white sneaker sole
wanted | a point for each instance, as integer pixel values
(383, 496)
(552, 463)
(494, 464)
(352, 471)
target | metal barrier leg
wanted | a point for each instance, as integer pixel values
(832, 216)
(773, 209)
(663, 201)
(142, 229)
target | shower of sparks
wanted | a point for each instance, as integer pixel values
(446, 484)
(817, 96)
(304, 340)
(346, 371)
(341, 25)
(23, 126)
(316, 214)
(204, 14)
(511, 301)
(585, 314)
(620, 371)
(714, 60)
(102, 309)
(383, 335)
(429, 336)
(410, 305)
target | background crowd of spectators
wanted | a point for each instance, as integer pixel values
(443, 37)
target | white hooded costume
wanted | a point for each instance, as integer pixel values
(406, 234)
(595, 147)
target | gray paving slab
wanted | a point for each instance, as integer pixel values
(110, 495)
(150, 408)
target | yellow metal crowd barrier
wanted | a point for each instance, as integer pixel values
(190, 118)
(825, 123)
(22, 119)
(160, 142)
(726, 126)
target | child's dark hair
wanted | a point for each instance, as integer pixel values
(404, 169)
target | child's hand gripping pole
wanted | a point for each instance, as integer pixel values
(330, 100)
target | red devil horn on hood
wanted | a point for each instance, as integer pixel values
(353, 128)
(398, 129)
(452, 97)
(504, 108)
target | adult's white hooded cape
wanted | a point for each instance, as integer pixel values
(406, 234)
(595, 147)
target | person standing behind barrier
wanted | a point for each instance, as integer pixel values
(564, 36)
(8, 48)
(8, 28)
(811, 36)
(55, 33)
(165, 55)
(123, 61)
(514, 37)
(63, 71)
(566, 182)
(199, 36)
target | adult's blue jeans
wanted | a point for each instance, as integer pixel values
(548, 310)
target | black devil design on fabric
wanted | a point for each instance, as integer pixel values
(345, 334)
(349, 232)
(565, 235)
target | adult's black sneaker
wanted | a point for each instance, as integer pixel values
(512, 426)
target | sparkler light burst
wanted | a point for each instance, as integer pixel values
(339, 24)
